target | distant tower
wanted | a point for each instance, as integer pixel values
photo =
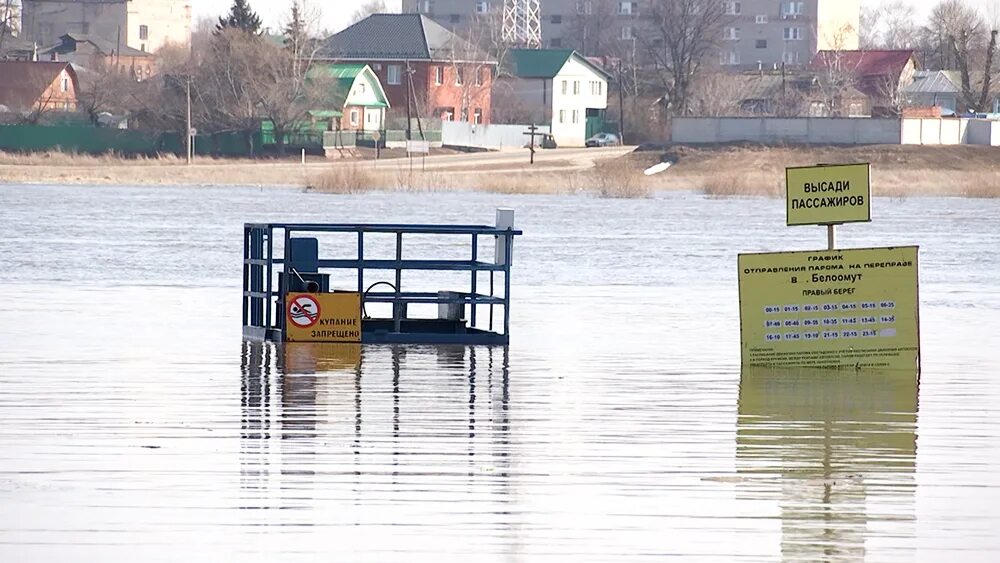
(522, 23)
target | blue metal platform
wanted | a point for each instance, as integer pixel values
(267, 259)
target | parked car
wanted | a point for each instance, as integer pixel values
(544, 141)
(604, 140)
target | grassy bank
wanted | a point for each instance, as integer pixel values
(897, 171)
(613, 178)
(721, 171)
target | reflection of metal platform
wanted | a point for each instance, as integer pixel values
(279, 260)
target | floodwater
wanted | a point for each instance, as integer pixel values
(135, 425)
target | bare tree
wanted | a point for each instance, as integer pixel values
(10, 21)
(589, 32)
(890, 25)
(367, 9)
(683, 35)
(957, 36)
(103, 89)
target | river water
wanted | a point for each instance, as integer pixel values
(135, 424)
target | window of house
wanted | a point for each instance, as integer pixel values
(425, 6)
(355, 117)
(626, 33)
(479, 76)
(361, 88)
(576, 116)
(584, 7)
(729, 58)
(793, 33)
(394, 74)
(731, 33)
(734, 8)
(64, 84)
(85, 28)
(555, 42)
(625, 8)
(761, 18)
(458, 76)
(556, 20)
(482, 7)
(761, 43)
(855, 110)
(477, 116)
(438, 75)
(562, 116)
(790, 57)
(576, 87)
(455, 18)
(565, 85)
(143, 33)
(465, 115)
(793, 9)
(600, 88)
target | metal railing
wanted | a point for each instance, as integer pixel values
(261, 294)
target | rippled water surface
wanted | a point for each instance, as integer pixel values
(135, 425)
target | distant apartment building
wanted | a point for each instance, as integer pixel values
(144, 25)
(754, 32)
(768, 33)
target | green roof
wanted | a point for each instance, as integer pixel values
(546, 63)
(343, 76)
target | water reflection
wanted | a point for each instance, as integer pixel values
(373, 426)
(829, 444)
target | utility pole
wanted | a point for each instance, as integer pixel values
(409, 95)
(187, 131)
(621, 104)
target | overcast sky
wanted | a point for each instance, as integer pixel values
(337, 13)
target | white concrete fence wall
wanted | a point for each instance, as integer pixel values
(835, 131)
(463, 134)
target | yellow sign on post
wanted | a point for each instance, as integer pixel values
(833, 308)
(323, 317)
(828, 195)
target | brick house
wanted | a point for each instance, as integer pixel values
(38, 87)
(426, 70)
(92, 52)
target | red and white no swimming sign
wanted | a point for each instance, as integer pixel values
(303, 311)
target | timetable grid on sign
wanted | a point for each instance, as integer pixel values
(867, 319)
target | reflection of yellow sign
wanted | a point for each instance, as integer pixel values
(824, 195)
(323, 317)
(319, 357)
(830, 308)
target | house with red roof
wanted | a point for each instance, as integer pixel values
(880, 74)
(37, 87)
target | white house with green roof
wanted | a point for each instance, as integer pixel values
(357, 101)
(561, 87)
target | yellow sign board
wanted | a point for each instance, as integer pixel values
(827, 195)
(831, 308)
(323, 317)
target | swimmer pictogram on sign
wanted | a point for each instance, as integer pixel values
(303, 311)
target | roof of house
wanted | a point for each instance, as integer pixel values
(864, 62)
(546, 63)
(344, 76)
(934, 82)
(25, 82)
(400, 37)
(16, 47)
(104, 47)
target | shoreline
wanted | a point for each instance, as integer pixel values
(720, 171)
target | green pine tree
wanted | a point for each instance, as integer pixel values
(240, 17)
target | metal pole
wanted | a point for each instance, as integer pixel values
(831, 237)
(621, 104)
(187, 133)
(397, 305)
(475, 274)
(508, 245)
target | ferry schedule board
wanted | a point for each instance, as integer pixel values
(828, 194)
(830, 309)
(323, 317)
